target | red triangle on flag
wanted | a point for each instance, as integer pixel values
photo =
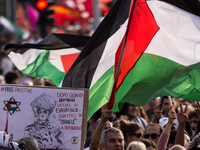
(68, 60)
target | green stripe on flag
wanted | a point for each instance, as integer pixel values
(12, 108)
(42, 68)
(150, 74)
(103, 86)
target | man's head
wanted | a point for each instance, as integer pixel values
(166, 105)
(193, 118)
(12, 77)
(153, 132)
(136, 145)
(153, 104)
(28, 143)
(177, 147)
(112, 139)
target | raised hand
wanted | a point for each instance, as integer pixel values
(182, 115)
(172, 115)
(106, 113)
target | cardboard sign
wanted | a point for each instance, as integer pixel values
(53, 116)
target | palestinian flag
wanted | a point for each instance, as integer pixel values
(9, 26)
(50, 58)
(94, 67)
(11, 106)
(161, 54)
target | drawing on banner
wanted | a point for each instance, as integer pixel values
(11, 106)
(47, 133)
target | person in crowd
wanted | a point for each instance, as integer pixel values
(109, 139)
(165, 102)
(26, 143)
(195, 144)
(172, 138)
(2, 79)
(38, 82)
(48, 82)
(162, 143)
(150, 145)
(161, 112)
(136, 145)
(132, 132)
(91, 125)
(181, 138)
(193, 119)
(132, 113)
(26, 80)
(12, 77)
(153, 132)
(112, 138)
(142, 114)
(177, 147)
(152, 106)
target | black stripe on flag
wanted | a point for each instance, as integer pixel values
(52, 42)
(81, 73)
(192, 6)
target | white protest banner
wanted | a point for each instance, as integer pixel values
(53, 116)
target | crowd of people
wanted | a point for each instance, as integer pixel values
(163, 123)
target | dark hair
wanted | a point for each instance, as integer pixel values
(130, 128)
(154, 124)
(172, 137)
(149, 143)
(48, 83)
(140, 112)
(192, 114)
(28, 143)
(10, 76)
(197, 129)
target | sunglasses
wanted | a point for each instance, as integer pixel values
(139, 135)
(153, 136)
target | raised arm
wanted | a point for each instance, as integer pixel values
(182, 118)
(162, 143)
(96, 137)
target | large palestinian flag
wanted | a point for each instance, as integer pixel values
(51, 58)
(161, 54)
(94, 67)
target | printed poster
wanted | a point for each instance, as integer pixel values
(53, 116)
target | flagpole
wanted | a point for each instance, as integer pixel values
(96, 12)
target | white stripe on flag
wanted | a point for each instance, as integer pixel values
(23, 60)
(108, 58)
(179, 36)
